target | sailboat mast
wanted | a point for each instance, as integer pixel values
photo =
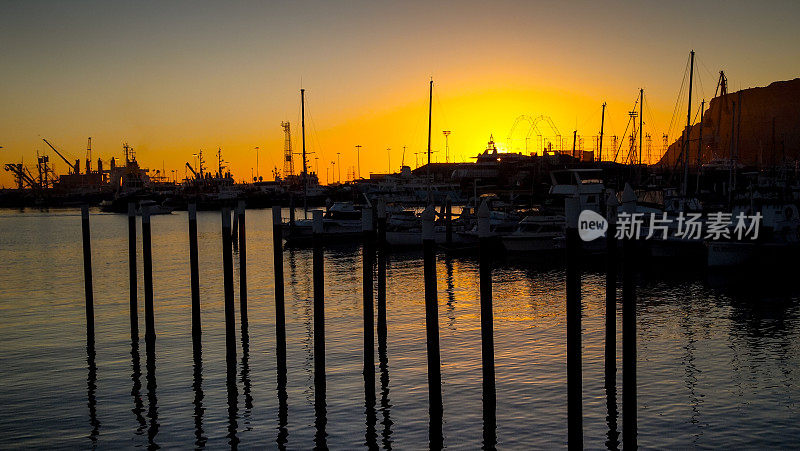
(303, 127)
(641, 112)
(700, 144)
(688, 128)
(602, 122)
(430, 108)
(305, 168)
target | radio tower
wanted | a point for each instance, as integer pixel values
(288, 165)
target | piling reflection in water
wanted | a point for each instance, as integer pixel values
(451, 293)
(612, 414)
(750, 330)
(91, 389)
(320, 415)
(136, 390)
(283, 406)
(197, 386)
(244, 375)
(152, 399)
(233, 405)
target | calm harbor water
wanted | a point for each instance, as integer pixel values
(717, 364)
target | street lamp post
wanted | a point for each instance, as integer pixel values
(358, 159)
(446, 134)
(256, 163)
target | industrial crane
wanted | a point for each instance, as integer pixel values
(73, 169)
(196, 176)
(22, 174)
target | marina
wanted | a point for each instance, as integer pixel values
(375, 225)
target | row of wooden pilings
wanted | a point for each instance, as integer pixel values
(373, 241)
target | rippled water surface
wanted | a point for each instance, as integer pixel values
(717, 367)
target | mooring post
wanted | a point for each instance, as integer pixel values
(240, 211)
(319, 301)
(147, 261)
(291, 215)
(448, 222)
(487, 324)
(194, 267)
(432, 324)
(227, 275)
(280, 311)
(133, 282)
(235, 229)
(381, 209)
(612, 263)
(611, 288)
(629, 415)
(573, 287)
(87, 274)
(367, 264)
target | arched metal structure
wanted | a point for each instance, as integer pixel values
(534, 127)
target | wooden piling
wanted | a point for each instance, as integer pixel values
(147, 260)
(573, 289)
(610, 379)
(381, 212)
(367, 264)
(291, 215)
(280, 310)
(240, 212)
(235, 229)
(448, 222)
(319, 302)
(629, 408)
(133, 280)
(195, 270)
(87, 275)
(611, 288)
(227, 270)
(432, 323)
(487, 325)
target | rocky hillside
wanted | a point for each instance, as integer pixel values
(769, 130)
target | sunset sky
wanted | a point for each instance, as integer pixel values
(170, 77)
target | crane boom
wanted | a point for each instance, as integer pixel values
(192, 169)
(72, 168)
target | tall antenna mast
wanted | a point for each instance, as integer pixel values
(288, 164)
(89, 156)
